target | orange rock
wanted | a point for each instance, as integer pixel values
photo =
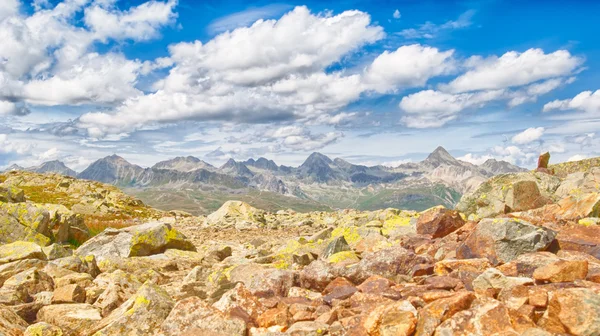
(69, 294)
(574, 311)
(274, 317)
(447, 266)
(438, 311)
(538, 297)
(579, 206)
(375, 285)
(580, 238)
(562, 271)
(439, 222)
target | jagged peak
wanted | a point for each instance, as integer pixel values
(440, 156)
(316, 157)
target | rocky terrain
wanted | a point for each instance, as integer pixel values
(320, 183)
(519, 256)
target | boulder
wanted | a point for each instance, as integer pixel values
(11, 194)
(577, 206)
(493, 281)
(142, 314)
(391, 263)
(56, 251)
(580, 238)
(338, 244)
(579, 183)
(496, 195)
(440, 310)
(574, 311)
(193, 316)
(29, 283)
(20, 250)
(11, 324)
(439, 222)
(140, 240)
(562, 271)
(236, 214)
(73, 319)
(503, 239)
(16, 267)
(43, 329)
(11, 230)
(69, 294)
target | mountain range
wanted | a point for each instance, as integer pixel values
(188, 183)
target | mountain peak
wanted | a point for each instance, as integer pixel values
(316, 158)
(440, 156)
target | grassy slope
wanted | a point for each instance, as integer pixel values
(201, 202)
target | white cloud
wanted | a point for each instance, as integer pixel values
(577, 157)
(533, 91)
(431, 108)
(138, 23)
(408, 66)
(246, 18)
(47, 56)
(587, 102)
(513, 69)
(309, 142)
(528, 136)
(272, 70)
(7, 146)
(396, 14)
(430, 30)
(8, 8)
(475, 159)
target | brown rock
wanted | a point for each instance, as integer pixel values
(574, 311)
(375, 285)
(242, 298)
(392, 263)
(274, 317)
(69, 294)
(525, 264)
(73, 319)
(538, 297)
(194, 317)
(439, 222)
(447, 266)
(543, 160)
(575, 207)
(438, 311)
(524, 195)
(10, 323)
(562, 271)
(443, 282)
(580, 238)
(317, 275)
(489, 317)
(398, 317)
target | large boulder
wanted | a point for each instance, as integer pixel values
(142, 314)
(573, 311)
(140, 240)
(10, 323)
(192, 316)
(503, 239)
(576, 206)
(11, 230)
(580, 238)
(20, 250)
(439, 222)
(73, 319)
(580, 183)
(508, 193)
(11, 194)
(238, 214)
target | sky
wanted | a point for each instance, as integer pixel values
(373, 82)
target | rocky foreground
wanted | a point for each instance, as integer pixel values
(519, 256)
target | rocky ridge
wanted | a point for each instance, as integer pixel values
(518, 257)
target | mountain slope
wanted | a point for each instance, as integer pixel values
(53, 167)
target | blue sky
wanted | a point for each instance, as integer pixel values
(375, 82)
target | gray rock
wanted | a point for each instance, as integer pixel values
(338, 244)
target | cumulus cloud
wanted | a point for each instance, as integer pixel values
(513, 69)
(138, 23)
(528, 136)
(8, 146)
(396, 14)
(587, 102)
(429, 30)
(408, 66)
(273, 70)
(10, 108)
(475, 159)
(431, 108)
(577, 157)
(49, 59)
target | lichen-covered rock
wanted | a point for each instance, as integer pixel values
(29, 282)
(503, 239)
(142, 314)
(73, 319)
(338, 244)
(69, 294)
(496, 195)
(43, 329)
(562, 271)
(391, 263)
(11, 194)
(236, 214)
(20, 250)
(31, 215)
(140, 240)
(56, 251)
(577, 205)
(12, 231)
(192, 316)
